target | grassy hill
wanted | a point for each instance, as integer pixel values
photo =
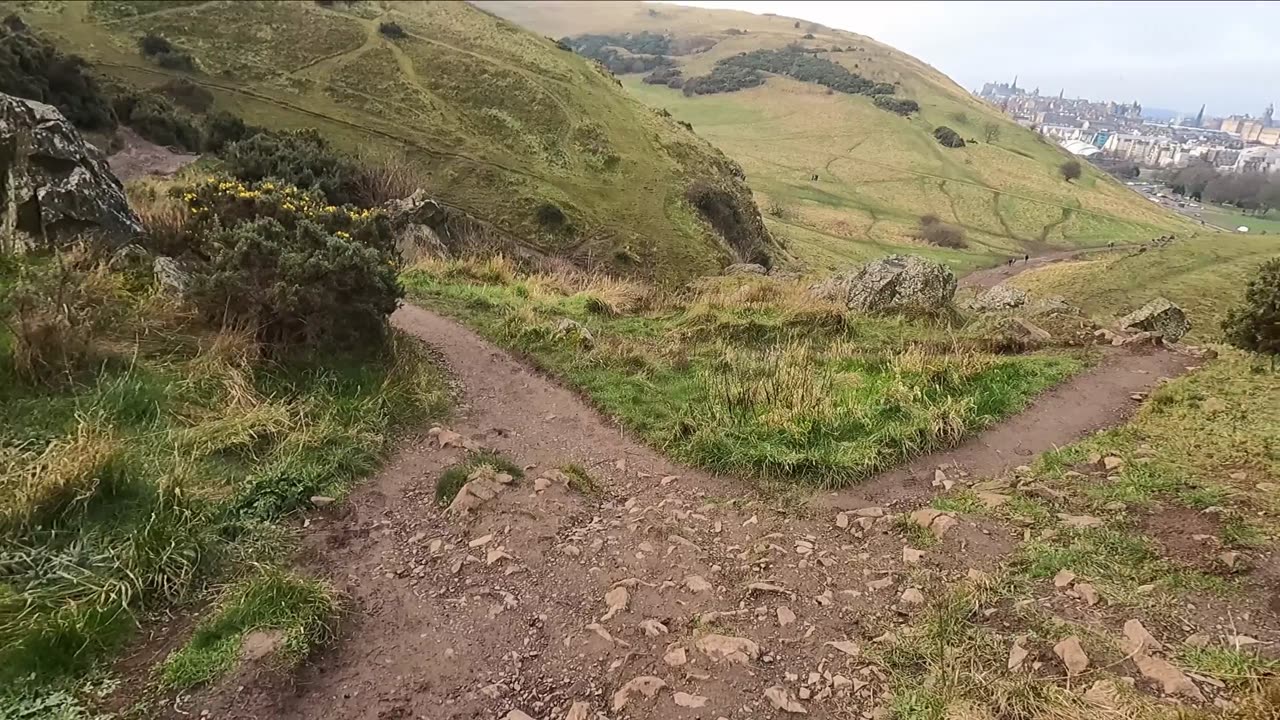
(495, 120)
(878, 172)
(1205, 275)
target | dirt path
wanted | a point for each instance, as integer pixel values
(983, 279)
(509, 607)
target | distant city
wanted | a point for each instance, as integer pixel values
(1123, 132)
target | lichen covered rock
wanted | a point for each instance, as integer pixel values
(893, 283)
(1158, 316)
(55, 187)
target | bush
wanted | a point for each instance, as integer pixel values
(156, 119)
(294, 270)
(935, 232)
(158, 49)
(300, 157)
(948, 137)
(550, 216)
(392, 30)
(222, 128)
(34, 69)
(1071, 170)
(188, 95)
(900, 106)
(744, 70)
(1254, 325)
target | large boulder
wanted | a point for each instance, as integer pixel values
(1158, 316)
(894, 283)
(55, 187)
(998, 298)
(416, 224)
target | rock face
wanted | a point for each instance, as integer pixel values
(1158, 316)
(417, 222)
(1000, 297)
(55, 187)
(1023, 330)
(897, 282)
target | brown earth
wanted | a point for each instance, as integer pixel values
(990, 277)
(140, 158)
(545, 597)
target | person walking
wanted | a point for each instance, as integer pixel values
(1026, 258)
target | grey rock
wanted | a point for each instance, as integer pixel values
(1158, 316)
(130, 257)
(746, 269)
(57, 188)
(170, 275)
(571, 329)
(1024, 330)
(893, 283)
(416, 223)
(1000, 297)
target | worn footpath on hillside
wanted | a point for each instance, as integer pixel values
(666, 593)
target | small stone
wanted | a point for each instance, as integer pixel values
(913, 596)
(785, 616)
(646, 685)
(842, 521)
(1172, 680)
(782, 700)
(881, 584)
(1079, 521)
(686, 700)
(697, 584)
(735, 650)
(1072, 655)
(481, 541)
(1087, 592)
(911, 556)
(992, 500)
(1063, 578)
(870, 512)
(540, 484)
(675, 657)
(517, 715)
(1112, 462)
(615, 602)
(1017, 656)
(1138, 639)
(848, 647)
(1229, 559)
(1197, 640)
(579, 711)
(1104, 694)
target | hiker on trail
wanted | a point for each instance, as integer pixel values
(1026, 258)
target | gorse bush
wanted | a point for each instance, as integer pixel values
(1255, 324)
(34, 69)
(294, 269)
(948, 137)
(158, 120)
(745, 70)
(893, 104)
(159, 50)
(1071, 170)
(301, 158)
(935, 232)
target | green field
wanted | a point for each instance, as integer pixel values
(1204, 274)
(1230, 218)
(492, 120)
(878, 172)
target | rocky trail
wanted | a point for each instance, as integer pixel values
(663, 593)
(990, 277)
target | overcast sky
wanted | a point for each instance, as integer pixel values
(1173, 55)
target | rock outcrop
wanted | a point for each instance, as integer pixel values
(894, 283)
(55, 187)
(1000, 297)
(1158, 316)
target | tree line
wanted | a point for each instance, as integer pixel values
(1255, 192)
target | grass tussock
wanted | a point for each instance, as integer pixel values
(456, 475)
(750, 375)
(291, 616)
(140, 479)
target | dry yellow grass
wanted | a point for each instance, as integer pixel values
(66, 473)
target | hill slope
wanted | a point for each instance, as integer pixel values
(499, 122)
(878, 172)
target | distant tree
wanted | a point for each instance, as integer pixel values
(948, 137)
(392, 30)
(1071, 170)
(991, 132)
(153, 44)
(1254, 325)
(797, 25)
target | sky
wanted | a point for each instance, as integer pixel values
(1173, 55)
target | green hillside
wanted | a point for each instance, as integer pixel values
(878, 172)
(495, 120)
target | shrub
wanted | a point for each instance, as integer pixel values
(935, 232)
(299, 157)
(737, 221)
(158, 49)
(1254, 325)
(222, 128)
(34, 69)
(900, 106)
(1071, 170)
(744, 70)
(188, 95)
(550, 216)
(296, 271)
(156, 119)
(948, 137)
(392, 30)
